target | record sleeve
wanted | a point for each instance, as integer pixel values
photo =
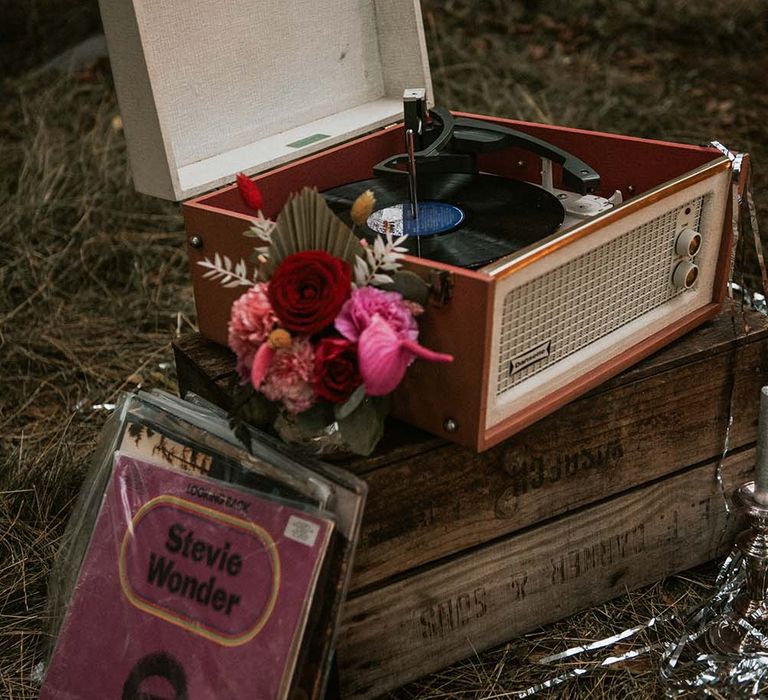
(208, 588)
(191, 443)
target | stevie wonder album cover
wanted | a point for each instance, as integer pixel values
(189, 588)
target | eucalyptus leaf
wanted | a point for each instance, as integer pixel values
(362, 429)
(411, 286)
(257, 410)
(341, 411)
(381, 405)
(316, 417)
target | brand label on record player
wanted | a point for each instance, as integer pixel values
(527, 358)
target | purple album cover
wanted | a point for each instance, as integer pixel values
(189, 589)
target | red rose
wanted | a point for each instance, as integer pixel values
(336, 371)
(307, 290)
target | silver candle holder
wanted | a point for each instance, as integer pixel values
(744, 629)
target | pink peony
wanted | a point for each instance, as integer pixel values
(250, 322)
(358, 311)
(289, 377)
(384, 356)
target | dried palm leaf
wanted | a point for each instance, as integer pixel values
(307, 223)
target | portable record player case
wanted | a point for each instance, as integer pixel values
(310, 95)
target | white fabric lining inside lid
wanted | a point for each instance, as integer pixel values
(227, 73)
(287, 146)
(231, 83)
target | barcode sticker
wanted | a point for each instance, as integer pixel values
(301, 530)
(308, 140)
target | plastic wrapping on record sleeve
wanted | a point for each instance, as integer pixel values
(191, 568)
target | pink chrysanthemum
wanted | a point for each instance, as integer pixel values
(289, 377)
(251, 321)
(366, 302)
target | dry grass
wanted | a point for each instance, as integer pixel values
(93, 279)
(92, 283)
(681, 71)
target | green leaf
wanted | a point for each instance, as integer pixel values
(381, 405)
(341, 411)
(257, 410)
(316, 417)
(410, 285)
(362, 429)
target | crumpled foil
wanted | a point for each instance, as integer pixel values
(588, 662)
(693, 665)
(689, 665)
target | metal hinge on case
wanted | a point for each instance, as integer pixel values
(440, 287)
(736, 158)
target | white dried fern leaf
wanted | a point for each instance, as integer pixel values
(380, 279)
(377, 261)
(221, 270)
(262, 228)
(362, 272)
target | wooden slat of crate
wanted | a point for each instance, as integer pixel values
(429, 499)
(482, 598)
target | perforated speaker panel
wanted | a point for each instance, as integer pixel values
(565, 309)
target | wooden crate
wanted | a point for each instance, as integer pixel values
(461, 551)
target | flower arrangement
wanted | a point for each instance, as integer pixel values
(327, 328)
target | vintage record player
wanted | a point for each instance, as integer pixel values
(556, 257)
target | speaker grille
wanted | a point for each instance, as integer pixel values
(565, 309)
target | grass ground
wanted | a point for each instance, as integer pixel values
(94, 284)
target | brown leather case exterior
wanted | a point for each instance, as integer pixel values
(433, 394)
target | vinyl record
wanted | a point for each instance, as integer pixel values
(490, 216)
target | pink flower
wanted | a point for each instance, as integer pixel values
(260, 363)
(250, 322)
(384, 355)
(289, 377)
(358, 311)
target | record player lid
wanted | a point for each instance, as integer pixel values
(207, 90)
